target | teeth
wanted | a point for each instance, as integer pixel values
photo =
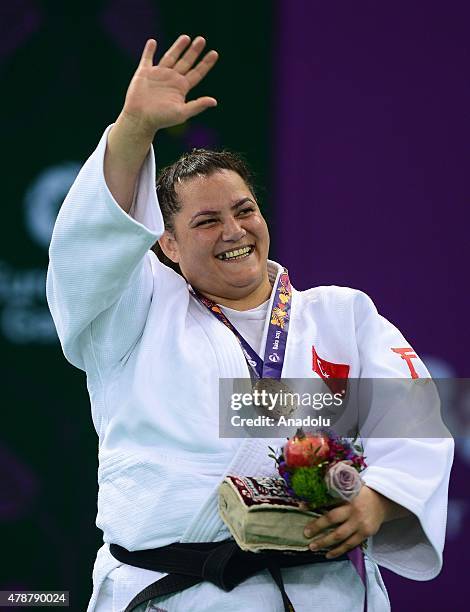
(237, 254)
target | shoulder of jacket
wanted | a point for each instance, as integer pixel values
(164, 275)
(337, 301)
(333, 294)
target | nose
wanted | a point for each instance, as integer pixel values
(232, 230)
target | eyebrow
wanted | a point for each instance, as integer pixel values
(216, 212)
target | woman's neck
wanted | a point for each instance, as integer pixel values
(254, 299)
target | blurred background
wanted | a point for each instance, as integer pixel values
(354, 117)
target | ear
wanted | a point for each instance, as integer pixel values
(169, 246)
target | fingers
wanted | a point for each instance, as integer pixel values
(196, 75)
(200, 104)
(184, 64)
(346, 546)
(334, 538)
(333, 517)
(187, 60)
(148, 53)
(170, 58)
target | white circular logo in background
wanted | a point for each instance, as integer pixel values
(44, 198)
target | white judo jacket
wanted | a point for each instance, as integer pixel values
(153, 357)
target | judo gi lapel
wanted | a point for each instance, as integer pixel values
(251, 458)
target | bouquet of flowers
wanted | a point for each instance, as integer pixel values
(316, 471)
(320, 469)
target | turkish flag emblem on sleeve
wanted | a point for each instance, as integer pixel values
(335, 375)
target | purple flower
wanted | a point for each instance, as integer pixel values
(343, 480)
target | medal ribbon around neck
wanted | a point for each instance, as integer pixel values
(271, 366)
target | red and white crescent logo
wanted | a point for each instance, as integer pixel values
(335, 375)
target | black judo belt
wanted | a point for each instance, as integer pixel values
(223, 563)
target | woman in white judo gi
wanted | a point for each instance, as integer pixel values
(153, 355)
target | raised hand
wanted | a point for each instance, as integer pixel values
(156, 97)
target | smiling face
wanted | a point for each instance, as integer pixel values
(221, 239)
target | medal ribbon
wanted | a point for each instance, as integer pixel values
(271, 365)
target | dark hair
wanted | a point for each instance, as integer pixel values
(199, 162)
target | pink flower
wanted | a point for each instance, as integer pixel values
(343, 480)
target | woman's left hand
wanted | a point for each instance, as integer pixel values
(352, 522)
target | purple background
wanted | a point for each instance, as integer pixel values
(371, 183)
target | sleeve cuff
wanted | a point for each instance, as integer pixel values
(145, 210)
(402, 545)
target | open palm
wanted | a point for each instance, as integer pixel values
(157, 94)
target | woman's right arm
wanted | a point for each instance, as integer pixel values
(156, 99)
(100, 273)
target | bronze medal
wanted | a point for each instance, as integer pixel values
(273, 397)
